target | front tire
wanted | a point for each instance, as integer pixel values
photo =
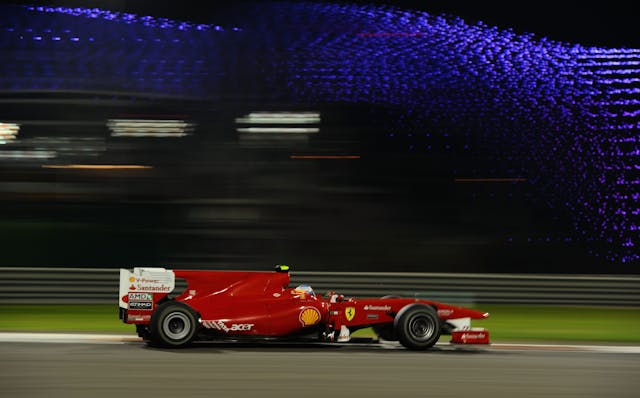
(418, 328)
(173, 325)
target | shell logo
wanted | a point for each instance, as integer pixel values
(309, 316)
(132, 279)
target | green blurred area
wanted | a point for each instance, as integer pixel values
(506, 323)
(62, 318)
(513, 322)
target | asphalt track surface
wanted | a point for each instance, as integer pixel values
(40, 365)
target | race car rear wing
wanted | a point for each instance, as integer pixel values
(152, 282)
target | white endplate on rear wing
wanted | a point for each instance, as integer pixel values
(145, 280)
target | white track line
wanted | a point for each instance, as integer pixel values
(34, 337)
(568, 347)
(90, 338)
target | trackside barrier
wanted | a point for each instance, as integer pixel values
(100, 286)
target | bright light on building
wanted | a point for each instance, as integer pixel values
(279, 122)
(8, 132)
(149, 128)
(279, 130)
(280, 118)
(27, 154)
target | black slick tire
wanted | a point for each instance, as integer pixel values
(418, 328)
(173, 325)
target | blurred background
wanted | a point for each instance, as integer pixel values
(330, 136)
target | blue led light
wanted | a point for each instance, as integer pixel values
(126, 18)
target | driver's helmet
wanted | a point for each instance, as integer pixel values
(305, 290)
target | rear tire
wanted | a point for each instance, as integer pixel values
(173, 325)
(418, 328)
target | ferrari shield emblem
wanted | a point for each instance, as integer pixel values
(349, 313)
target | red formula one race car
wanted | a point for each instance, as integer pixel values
(261, 305)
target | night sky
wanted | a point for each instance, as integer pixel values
(597, 23)
(607, 24)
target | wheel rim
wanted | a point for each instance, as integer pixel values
(176, 326)
(421, 327)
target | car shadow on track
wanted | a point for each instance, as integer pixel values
(355, 345)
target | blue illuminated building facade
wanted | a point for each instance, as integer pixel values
(562, 117)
